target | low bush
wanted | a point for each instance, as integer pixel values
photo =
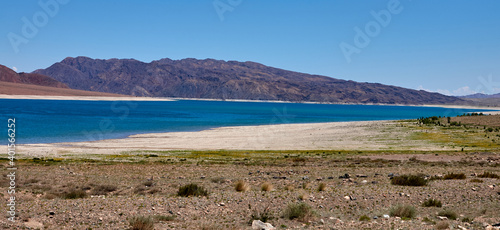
(403, 211)
(300, 211)
(364, 218)
(449, 214)
(192, 190)
(74, 194)
(488, 175)
(103, 189)
(141, 223)
(321, 187)
(432, 203)
(476, 180)
(266, 187)
(454, 176)
(409, 180)
(442, 225)
(241, 186)
(264, 215)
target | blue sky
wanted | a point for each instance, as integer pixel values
(447, 46)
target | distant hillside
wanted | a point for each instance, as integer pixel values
(481, 96)
(192, 78)
(8, 75)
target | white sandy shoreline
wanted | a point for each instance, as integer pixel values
(132, 98)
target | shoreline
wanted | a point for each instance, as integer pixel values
(132, 98)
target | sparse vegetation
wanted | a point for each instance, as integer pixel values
(266, 187)
(103, 189)
(141, 223)
(364, 218)
(488, 175)
(403, 211)
(475, 180)
(264, 215)
(454, 176)
(165, 218)
(192, 190)
(241, 186)
(321, 187)
(432, 203)
(449, 214)
(442, 225)
(409, 180)
(74, 194)
(300, 211)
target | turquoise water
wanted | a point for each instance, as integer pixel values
(50, 121)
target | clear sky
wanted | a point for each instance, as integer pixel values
(449, 46)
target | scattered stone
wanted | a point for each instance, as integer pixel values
(347, 197)
(361, 175)
(222, 204)
(52, 213)
(386, 216)
(390, 175)
(364, 181)
(374, 182)
(305, 178)
(442, 217)
(330, 178)
(474, 189)
(202, 177)
(375, 217)
(259, 225)
(319, 178)
(345, 176)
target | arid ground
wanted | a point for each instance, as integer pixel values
(314, 176)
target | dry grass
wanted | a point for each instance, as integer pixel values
(192, 190)
(403, 211)
(300, 211)
(321, 187)
(266, 187)
(488, 175)
(241, 186)
(454, 176)
(409, 180)
(141, 223)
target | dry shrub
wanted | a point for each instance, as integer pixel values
(454, 176)
(300, 211)
(322, 187)
(266, 187)
(488, 175)
(403, 211)
(241, 186)
(432, 203)
(141, 223)
(409, 180)
(103, 189)
(192, 190)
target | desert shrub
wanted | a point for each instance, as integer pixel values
(241, 186)
(164, 218)
(442, 225)
(264, 215)
(73, 194)
(454, 176)
(403, 211)
(476, 180)
(141, 223)
(321, 187)
(408, 180)
(488, 175)
(467, 219)
(218, 180)
(300, 211)
(266, 187)
(364, 218)
(432, 203)
(192, 190)
(289, 187)
(103, 189)
(448, 213)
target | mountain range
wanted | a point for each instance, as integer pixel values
(216, 79)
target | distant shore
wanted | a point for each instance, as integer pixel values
(132, 98)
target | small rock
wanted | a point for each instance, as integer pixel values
(364, 181)
(347, 197)
(202, 177)
(322, 221)
(374, 182)
(305, 178)
(259, 225)
(442, 217)
(375, 217)
(474, 189)
(491, 186)
(386, 216)
(330, 178)
(361, 175)
(222, 204)
(319, 179)
(52, 213)
(345, 176)
(461, 228)
(390, 175)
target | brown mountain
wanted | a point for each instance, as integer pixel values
(192, 78)
(8, 75)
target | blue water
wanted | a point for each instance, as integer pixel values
(49, 121)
